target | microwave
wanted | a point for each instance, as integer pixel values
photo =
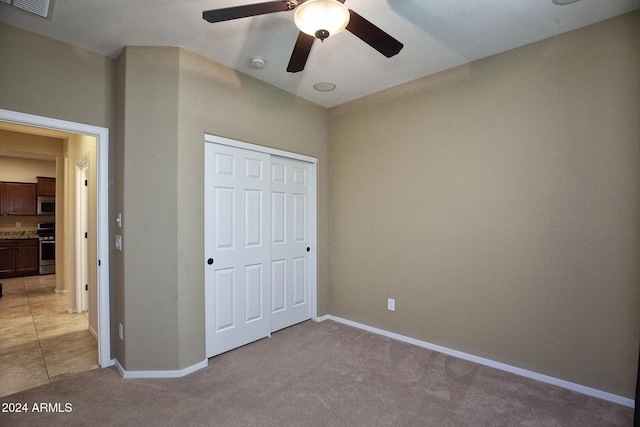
(46, 205)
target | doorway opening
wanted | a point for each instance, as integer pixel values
(101, 136)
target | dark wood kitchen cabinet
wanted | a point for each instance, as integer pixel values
(20, 198)
(18, 257)
(2, 198)
(7, 261)
(46, 186)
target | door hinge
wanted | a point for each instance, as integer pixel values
(86, 287)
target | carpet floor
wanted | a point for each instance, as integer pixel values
(315, 374)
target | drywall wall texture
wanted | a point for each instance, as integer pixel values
(168, 98)
(498, 203)
(22, 169)
(149, 282)
(49, 78)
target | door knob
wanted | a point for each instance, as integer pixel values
(210, 261)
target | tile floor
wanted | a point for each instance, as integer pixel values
(39, 341)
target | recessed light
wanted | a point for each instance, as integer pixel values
(324, 86)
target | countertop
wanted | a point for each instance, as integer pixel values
(27, 234)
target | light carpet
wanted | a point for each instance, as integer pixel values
(318, 374)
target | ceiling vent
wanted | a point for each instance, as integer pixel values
(42, 8)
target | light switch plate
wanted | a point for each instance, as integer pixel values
(118, 242)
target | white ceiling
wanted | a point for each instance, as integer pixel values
(437, 35)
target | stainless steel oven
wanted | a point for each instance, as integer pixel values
(47, 237)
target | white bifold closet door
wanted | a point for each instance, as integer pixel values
(257, 273)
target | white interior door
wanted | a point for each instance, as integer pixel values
(237, 247)
(82, 240)
(290, 242)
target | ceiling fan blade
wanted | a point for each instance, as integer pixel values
(373, 36)
(300, 52)
(218, 15)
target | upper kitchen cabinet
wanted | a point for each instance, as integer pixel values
(20, 198)
(46, 187)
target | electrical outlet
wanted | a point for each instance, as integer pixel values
(391, 304)
(121, 331)
(118, 242)
(18, 224)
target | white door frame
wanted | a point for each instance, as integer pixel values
(82, 247)
(102, 172)
(313, 166)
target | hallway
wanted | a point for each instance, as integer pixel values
(39, 341)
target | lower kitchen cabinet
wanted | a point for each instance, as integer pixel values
(3, 197)
(7, 261)
(18, 257)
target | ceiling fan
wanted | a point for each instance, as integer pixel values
(315, 19)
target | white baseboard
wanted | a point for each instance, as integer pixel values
(488, 362)
(93, 332)
(161, 374)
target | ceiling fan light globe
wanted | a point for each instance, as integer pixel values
(328, 16)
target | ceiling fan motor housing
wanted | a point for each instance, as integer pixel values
(322, 34)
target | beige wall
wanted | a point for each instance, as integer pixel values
(48, 78)
(20, 169)
(168, 98)
(147, 193)
(498, 204)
